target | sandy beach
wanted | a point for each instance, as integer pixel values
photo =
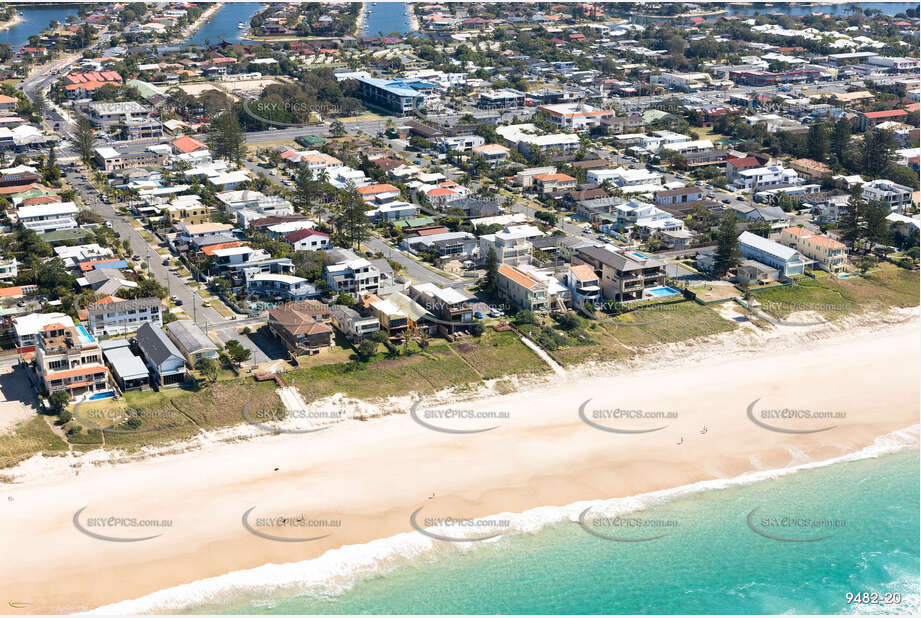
(206, 15)
(370, 476)
(16, 19)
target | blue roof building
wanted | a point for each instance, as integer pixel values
(400, 95)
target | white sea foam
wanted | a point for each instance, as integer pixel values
(339, 569)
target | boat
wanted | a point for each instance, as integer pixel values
(242, 25)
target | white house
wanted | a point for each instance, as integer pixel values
(42, 218)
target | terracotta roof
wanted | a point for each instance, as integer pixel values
(210, 249)
(72, 373)
(554, 178)
(890, 113)
(825, 241)
(519, 277)
(186, 144)
(744, 162)
(583, 272)
(797, 230)
(372, 189)
(302, 234)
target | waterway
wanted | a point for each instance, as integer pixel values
(386, 18)
(224, 24)
(34, 20)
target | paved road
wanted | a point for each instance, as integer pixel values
(177, 286)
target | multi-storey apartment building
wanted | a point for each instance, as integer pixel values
(70, 361)
(624, 276)
(828, 253)
(117, 316)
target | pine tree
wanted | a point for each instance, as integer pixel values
(728, 253)
(85, 139)
(817, 141)
(491, 278)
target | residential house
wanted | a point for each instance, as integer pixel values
(162, 357)
(307, 240)
(448, 306)
(191, 340)
(303, 327)
(117, 316)
(785, 259)
(894, 195)
(522, 289)
(828, 253)
(352, 324)
(624, 276)
(280, 287)
(511, 244)
(583, 283)
(128, 370)
(68, 360)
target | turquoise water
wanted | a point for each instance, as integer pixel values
(709, 561)
(385, 18)
(663, 291)
(85, 337)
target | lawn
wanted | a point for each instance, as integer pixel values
(626, 335)
(889, 286)
(497, 354)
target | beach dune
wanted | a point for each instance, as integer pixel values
(371, 476)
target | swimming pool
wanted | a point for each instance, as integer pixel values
(102, 395)
(85, 337)
(639, 255)
(663, 290)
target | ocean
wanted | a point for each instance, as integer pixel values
(795, 542)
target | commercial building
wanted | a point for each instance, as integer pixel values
(400, 95)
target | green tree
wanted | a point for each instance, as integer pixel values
(85, 139)
(876, 152)
(58, 401)
(728, 254)
(841, 139)
(817, 141)
(491, 277)
(208, 368)
(352, 220)
(337, 129)
(366, 350)
(238, 354)
(226, 138)
(304, 191)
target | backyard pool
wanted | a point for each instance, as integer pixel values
(663, 290)
(102, 395)
(639, 255)
(85, 337)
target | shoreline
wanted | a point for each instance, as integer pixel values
(360, 22)
(204, 18)
(12, 23)
(347, 471)
(257, 579)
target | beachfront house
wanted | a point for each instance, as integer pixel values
(785, 259)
